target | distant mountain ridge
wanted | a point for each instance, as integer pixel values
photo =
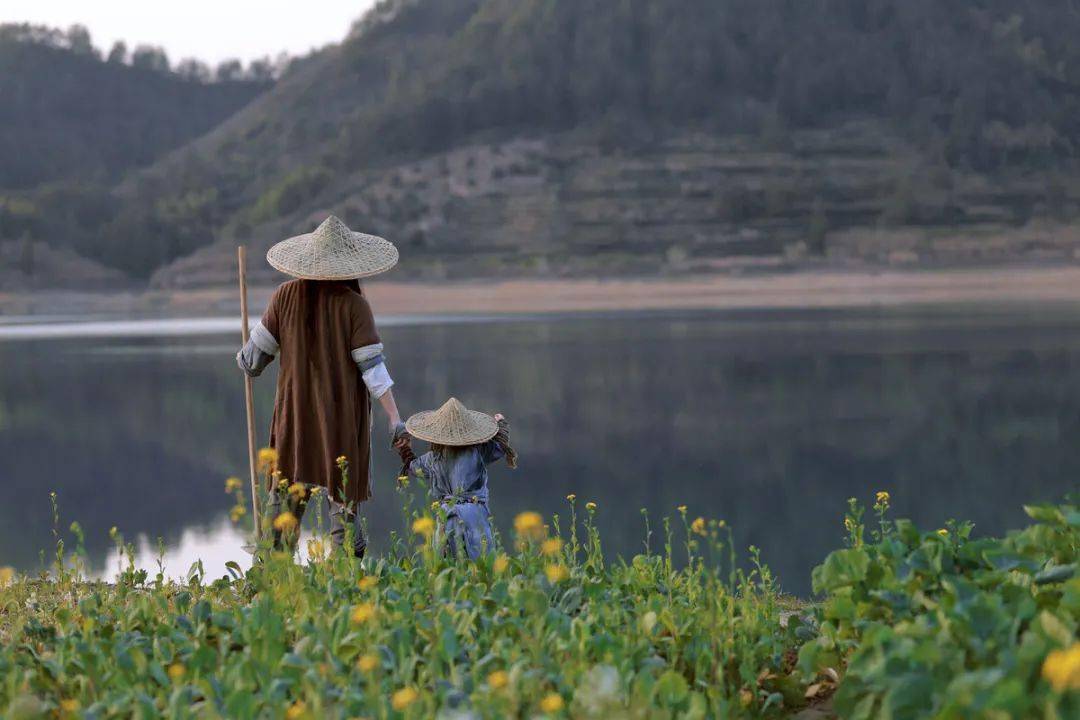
(588, 136)
(68, 113)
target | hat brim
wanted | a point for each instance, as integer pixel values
(479, 427)
(298, 256)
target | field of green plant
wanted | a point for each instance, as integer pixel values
(910, 624)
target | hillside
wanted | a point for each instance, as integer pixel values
(540, 136)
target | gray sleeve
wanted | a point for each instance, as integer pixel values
(252, 360)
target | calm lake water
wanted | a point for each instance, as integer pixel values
(767, 419)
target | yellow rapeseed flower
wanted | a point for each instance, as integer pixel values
(501, 563)
(232, 484)
(237, 512)
(341, 460)
(317, 549)
(849, 524)
(176, 672)
(698, 525)
(571, 497)
(362, 613)
(551, 546)
(368, 662)
(296, 711)
(590, 506)
(681, 509)
(367, 582)
(268, 458)
(529, 525)
(498, 680)
(423, 526)
(556, 573)
(69, 706)
(403, 698)
(297, 489)
(943, 532)
(285, 522)
(1062, 669)
(7, 574)
(882, 497)
(552, 703)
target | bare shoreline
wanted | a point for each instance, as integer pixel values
(809, 289)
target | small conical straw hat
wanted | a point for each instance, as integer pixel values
(333, 252)
(452, 424)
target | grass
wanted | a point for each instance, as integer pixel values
(544, 626)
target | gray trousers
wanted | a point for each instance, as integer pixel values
(341, 518)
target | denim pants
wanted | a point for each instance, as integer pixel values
(341, 517)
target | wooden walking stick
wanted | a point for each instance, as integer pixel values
(241, 259)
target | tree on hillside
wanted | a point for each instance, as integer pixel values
(148, 57)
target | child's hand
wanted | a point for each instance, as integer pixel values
(499, 417)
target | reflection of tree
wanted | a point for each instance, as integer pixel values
(768, 424)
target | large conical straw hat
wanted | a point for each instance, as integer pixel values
(333, 252)
(452, 424)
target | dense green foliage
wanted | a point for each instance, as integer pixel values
(937, 624)
(912, 625)
(548, 627)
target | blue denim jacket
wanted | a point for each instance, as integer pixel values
(458, 479)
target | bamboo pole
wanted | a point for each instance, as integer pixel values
(249, 400)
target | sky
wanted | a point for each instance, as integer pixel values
(210, 30)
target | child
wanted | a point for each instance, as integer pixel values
(463, 443)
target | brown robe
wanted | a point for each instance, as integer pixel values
(322, 409)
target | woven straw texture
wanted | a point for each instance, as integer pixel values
(453, 424)
(333, 252)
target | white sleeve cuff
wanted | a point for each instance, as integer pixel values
(378, 380)
(264, 340)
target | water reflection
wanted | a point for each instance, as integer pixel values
(769, 420)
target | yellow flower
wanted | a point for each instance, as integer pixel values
(316, 549)
(590, 506)
(529, 525)
(7, 574)
(315, 491)
(368, 662)
(434, 505)
(362, 613)
(849, 524)
(341, 460)
(367, 582)
(285, 522)
(556, 573)
(681, 509)
(232, 484)
(69, 706)
(296, 710)
(268, 458)
(698, 526)
(498, 679)
(552, 703)
(403, 698)
(176, 672)
(237, 512)
(721, 524)
(571, 497)
(551, 546)
(882, 497)
(501, 563)
(423, 526)
(1062, 669)
(943, 532)
(297, 489)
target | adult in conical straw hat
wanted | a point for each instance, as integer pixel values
(332, 366)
